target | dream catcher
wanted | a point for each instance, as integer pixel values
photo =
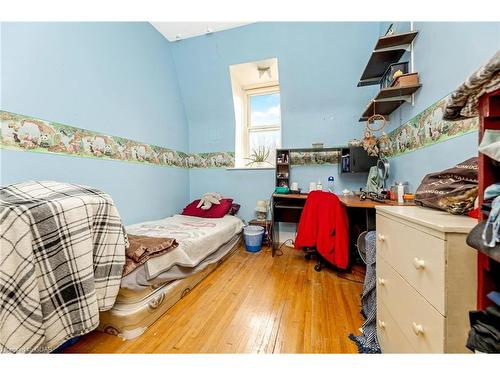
(375, 146)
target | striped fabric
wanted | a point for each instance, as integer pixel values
(62, 250)
(367, 342)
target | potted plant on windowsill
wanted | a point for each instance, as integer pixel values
(258, 157)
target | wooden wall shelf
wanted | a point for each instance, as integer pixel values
(387, 51)
(388, 100)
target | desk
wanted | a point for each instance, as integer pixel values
(287, 208)
(354, 201)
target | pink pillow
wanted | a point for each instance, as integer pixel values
(216, 211)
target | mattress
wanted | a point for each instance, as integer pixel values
(197, 238)
(133, 313)
(136, 286)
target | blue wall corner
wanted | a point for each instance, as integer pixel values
(115, 78)
(319, 66)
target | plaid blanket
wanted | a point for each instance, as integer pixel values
(62, 250)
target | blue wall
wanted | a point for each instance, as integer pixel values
(125, 79)
(115, 78)
(319, 65)
(445, 54)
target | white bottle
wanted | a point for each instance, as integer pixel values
(319, 186)
(330, 186)
(401, 191)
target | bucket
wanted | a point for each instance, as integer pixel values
(253, 235)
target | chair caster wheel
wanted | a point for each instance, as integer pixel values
(317, 267)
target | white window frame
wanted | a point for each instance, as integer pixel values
(253, 91)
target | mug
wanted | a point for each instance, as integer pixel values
(294, 186)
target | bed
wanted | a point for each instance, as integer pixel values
(62, 251)
(150, 290)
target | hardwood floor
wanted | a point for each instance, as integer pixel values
(252, 303)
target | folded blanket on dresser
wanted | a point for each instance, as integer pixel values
(62, 250)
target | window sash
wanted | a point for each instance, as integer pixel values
(272, 89)
(265, 127)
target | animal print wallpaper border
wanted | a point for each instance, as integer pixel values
(304, 158)
(25, 133)
(426, 129)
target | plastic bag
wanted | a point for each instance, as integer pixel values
(453, 190)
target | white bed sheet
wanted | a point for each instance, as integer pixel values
(197, 238)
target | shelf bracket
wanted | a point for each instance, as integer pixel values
(406, 47)
(369, 81)
(404, 98)
(412, 63)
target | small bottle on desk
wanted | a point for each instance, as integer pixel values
(319, 186)
(400, 191)
(330, 183)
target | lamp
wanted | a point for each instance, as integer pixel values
(261, 210)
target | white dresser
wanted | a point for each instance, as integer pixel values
(426, 280)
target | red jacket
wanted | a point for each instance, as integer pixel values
(324, 225)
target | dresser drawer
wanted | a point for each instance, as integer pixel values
(417, 256)
(421, 324)
(390, 336)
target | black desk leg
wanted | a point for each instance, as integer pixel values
(273, 225)
(275, 239)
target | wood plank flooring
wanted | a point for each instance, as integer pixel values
(252, 303)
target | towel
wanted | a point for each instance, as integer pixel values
(142, 248)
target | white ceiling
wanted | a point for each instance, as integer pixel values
(181, 30)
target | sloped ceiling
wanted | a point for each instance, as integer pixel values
(181, 30)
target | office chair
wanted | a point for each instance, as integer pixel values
(311, 252)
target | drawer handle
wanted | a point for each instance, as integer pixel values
(381, 324)
(381, 237)
(418, 329)
(419, 264)
(381, 281)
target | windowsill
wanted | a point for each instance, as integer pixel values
(250, 169)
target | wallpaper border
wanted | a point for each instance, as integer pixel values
(26, 133)
(427, 128)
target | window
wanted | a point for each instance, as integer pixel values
(256, 99)
(263, 130)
